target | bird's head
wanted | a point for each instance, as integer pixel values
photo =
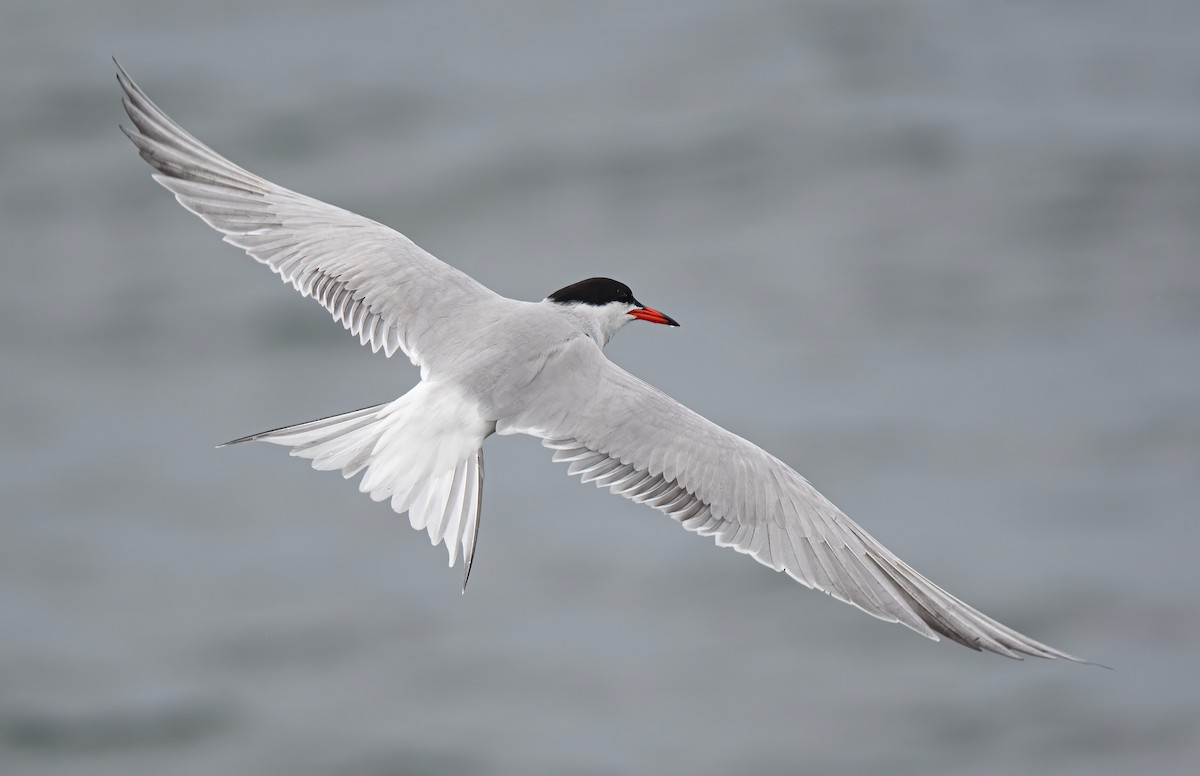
(607, 305)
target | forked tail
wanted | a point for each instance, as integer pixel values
(421, 451)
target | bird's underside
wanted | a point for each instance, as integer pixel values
(493, 365)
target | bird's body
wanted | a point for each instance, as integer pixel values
(495, 365)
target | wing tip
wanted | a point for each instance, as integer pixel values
(239, 440)
(122, 76)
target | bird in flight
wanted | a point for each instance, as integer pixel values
(493, 365)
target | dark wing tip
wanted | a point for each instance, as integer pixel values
(239, 440)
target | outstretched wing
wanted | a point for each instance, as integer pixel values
(621, 433)
(373, 280)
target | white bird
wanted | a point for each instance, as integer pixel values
(490, 364)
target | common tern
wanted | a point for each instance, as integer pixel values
(493, 365)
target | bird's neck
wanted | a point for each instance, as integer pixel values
(601, 323)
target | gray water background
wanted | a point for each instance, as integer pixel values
(943, 257)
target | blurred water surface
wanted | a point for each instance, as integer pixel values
(940, 256)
